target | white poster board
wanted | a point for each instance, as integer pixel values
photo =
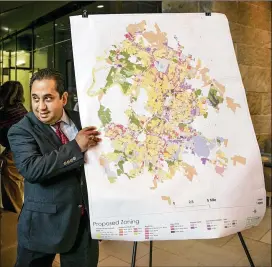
(179, 157)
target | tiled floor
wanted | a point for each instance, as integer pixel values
(226, 251)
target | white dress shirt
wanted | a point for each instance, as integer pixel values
(67, 127)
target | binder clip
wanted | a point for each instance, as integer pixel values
(85, 14)
(208, 14)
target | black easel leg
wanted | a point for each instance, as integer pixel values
(134, 252)
(246, 250)
(150, 253)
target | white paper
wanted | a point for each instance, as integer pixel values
(179, 157)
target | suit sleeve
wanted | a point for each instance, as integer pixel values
(38, 168)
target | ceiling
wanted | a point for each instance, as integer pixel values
(15, 15)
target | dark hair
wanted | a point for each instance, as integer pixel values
(49, 74)
(11, 93)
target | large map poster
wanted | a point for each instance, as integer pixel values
(179, 157)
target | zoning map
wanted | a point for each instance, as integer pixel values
(171, 164)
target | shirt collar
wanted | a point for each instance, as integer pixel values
(65, 118)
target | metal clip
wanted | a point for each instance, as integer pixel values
(85, 14)
(208, 14)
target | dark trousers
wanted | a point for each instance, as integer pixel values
(84, 253)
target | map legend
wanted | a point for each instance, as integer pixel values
(195, 225)
(213, 224)
(177, 228)
(230, 223)
(147, 233)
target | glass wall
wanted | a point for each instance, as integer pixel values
(15, 63)
(64, 56)
(6, 61)
(44, 47)
(24, 63)
(50, 46)
(11, 51)
(1, 61)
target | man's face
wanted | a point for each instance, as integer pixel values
(47, 104)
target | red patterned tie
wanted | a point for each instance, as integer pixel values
(63, 138)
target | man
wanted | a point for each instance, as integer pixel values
(48, 147)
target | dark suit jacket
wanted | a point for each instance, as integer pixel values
(55, 185)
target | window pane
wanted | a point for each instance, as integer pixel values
(44, 36)
(62, 29)
(1, 62)
(24, 49)
(10, 49)
(43, 58)
(64, 56)
(6, 60)
(43, 54)
(24, 58)
(65, 64)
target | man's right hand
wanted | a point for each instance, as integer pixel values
(88, 137)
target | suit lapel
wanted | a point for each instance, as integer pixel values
(45, 130)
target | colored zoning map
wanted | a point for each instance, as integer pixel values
(158, 140)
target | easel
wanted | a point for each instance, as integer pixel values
(135, 244)
(134, 252)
